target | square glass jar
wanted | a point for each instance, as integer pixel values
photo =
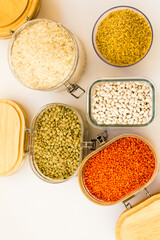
(114, 80)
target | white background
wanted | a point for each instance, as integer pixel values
(31, 209)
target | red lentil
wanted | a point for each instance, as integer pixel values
(119, 169)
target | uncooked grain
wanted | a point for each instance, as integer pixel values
(43, 55)
(123, 37)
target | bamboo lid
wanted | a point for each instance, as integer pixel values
(141, 222)
(12, 136)
(14, 13)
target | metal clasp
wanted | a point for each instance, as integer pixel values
(102, 137)
(91, 145)
(72, 88)
(127, 205)
(27, 18)
(126, 202)
(11, 31)
(147, 192)
(26, 140)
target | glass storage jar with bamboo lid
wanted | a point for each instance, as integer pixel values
(42, 69)
(137, 221)
(56, 141)
(18, 140)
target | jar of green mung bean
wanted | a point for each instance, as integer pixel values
(57, 131)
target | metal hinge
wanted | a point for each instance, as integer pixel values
(101, 139)
(147, 192)
(27, 18)
(26, 141)
(91, 145)
(128, 204)
(73, 88)
(11, 31)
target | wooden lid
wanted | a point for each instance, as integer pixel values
(14, 13)
(141, 222)
(12, 135)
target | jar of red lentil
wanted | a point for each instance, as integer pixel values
(117, 172)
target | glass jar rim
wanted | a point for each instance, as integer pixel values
(19, 30)
(93, 199)
(112, 9)
(33, 165)
(119, 79)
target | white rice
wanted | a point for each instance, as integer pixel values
(43, 55)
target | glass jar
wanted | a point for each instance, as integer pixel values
(81, 171)
(90, 98)
(32, 137)
(18, 136)
(102, 17)
(77, 68)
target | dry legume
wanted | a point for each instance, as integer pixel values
(57, 142)
(122, 103)
(119, 169)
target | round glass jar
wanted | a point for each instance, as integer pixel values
(32, 137)
(102, 17)
(82, 166)
(76, 69)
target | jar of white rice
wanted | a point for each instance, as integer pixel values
(44, 55)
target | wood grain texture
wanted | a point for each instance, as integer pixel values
(12, 133)
(24, 8)
(10, 10)
(142, 222)
(9, 137)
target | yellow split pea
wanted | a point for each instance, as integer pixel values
(124, 37)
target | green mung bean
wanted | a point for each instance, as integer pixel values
(57, 142)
